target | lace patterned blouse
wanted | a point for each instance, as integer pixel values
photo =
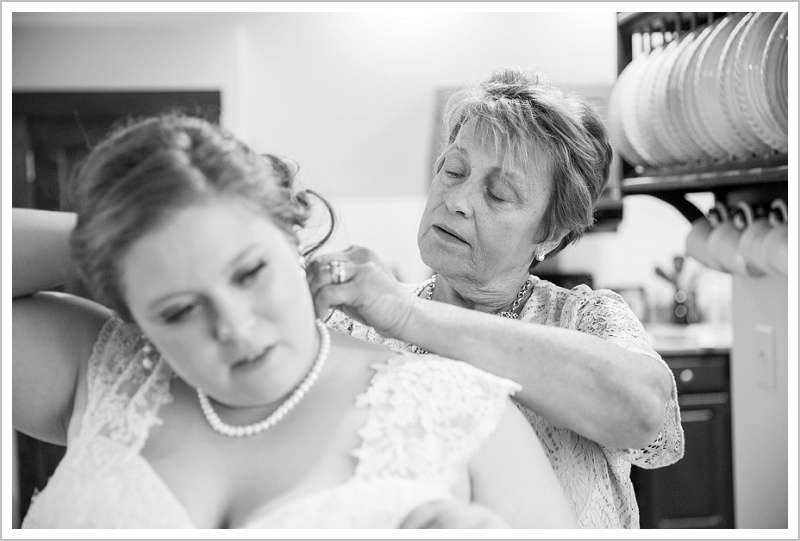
(425, 419)
(596, 479)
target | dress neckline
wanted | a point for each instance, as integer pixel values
(297, 494)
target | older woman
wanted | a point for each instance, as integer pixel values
(516, 183)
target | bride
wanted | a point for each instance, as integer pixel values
(197, 390)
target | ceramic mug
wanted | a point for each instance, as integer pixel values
(697, 239)
(751, 241)
(723, 243)
(776, 241)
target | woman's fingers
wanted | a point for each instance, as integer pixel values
(354, 253)
(424, 516)
(334, 272)
(336, 297)
(357, 283)
(329, 269)
(335, 285)
(452, 514)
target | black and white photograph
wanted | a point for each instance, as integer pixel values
(327, 270)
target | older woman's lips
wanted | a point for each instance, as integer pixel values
(448, 235)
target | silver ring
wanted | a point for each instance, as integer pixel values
(337, 272)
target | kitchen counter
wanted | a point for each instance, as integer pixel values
(703, 338)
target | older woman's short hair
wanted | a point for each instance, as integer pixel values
(534, 124)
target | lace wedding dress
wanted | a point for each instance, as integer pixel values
(596, 479)
(426, 417)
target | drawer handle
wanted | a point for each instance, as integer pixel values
(686, 375)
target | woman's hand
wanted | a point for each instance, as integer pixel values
(453, 514)
(363, 288)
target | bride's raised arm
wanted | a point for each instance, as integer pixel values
(40, 250)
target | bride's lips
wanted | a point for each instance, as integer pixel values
(448, 234)
(251, 362)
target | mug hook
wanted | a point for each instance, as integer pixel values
(778, 213)
(744, 216)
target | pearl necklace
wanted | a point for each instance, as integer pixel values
(300, 391)
(511, 313)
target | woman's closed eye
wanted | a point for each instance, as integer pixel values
(178, 314)
(250, 274)
(498, 195)
(501, 191)
(454, 167)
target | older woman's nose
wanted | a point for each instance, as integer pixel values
(459, 199)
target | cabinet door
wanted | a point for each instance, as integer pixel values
(697, 491)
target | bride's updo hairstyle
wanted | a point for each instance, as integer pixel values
(141, 174)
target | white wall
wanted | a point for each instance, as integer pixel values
(196, 57)
(351, 96)
(760, 404)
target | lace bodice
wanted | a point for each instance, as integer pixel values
(596, 479)
(426, 417)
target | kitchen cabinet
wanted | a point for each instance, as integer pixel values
(697, 491)
(52, 131)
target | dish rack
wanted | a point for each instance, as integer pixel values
(700, 105)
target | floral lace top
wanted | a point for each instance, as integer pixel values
(424, 421)
(596, 479)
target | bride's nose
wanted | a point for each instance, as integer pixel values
(234, 322)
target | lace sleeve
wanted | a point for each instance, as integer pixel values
(123, 393)
(605, 314)
(116, 339)
(427, 416)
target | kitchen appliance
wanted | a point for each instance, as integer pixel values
(697, 491)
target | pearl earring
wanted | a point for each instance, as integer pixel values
(147, 351)
(540, 256)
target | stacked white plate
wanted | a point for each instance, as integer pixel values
(680, 110)
(752, 100)
(619, 111)
(716, 94)
(775, 74)
(666, 113)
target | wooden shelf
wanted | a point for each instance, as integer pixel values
(715, 178)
